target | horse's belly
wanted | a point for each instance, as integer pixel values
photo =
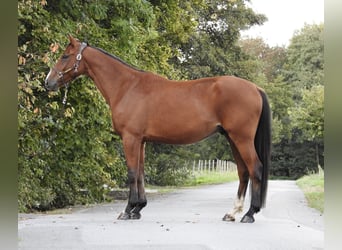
(185, 132)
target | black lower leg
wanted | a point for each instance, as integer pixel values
(135, 212)
(132, 198)
(132, 210)
(141, 203)
(248, 217)
(128, 212)
(137, 199)
(255, 202)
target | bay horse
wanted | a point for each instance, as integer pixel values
(146, 107)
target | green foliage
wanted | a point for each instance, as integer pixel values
(309, 113)
(293, 159)
(265, 62)
(213, 49)
(305, 58)
(167, 169)
(304, 72)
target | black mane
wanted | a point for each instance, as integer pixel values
(118, 59)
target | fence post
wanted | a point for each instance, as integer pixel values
(211, 165)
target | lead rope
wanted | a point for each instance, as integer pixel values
(65, 94)
(75, 68)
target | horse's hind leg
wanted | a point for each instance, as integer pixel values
(249, 156)
(243, 177)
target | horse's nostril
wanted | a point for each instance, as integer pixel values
(48, 86)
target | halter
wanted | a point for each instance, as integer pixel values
(74, 67)
(76, 64)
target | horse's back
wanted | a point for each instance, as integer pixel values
(187, 111)
(212, 98)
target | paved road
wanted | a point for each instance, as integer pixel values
(188, 219)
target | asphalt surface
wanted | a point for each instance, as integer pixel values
(189, 219)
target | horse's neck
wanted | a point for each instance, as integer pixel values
(109, 75)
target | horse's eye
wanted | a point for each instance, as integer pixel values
(65, 56)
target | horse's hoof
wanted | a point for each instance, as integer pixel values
(124, 216)
(135, 216)
(228, 217)
(247, 219)
(129, 216)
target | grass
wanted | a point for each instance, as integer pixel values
(199, 178)
(206, 178)
(313, 188)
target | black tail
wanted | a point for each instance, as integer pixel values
(262, 144)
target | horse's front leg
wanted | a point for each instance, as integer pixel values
(142, 201)
(132, 149)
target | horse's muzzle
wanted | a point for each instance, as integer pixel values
(50, 84)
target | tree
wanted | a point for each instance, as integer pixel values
(309, 116)
(305, 58)
(263, 59)
(293, 80)
(304, 71)
(213, 49)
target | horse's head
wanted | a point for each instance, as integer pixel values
(68, 67)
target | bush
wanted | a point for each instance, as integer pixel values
(167, 170)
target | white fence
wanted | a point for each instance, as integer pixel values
(213, 165)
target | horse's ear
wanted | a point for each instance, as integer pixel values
(72, 40)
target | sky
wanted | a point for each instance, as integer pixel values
(284, 18)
